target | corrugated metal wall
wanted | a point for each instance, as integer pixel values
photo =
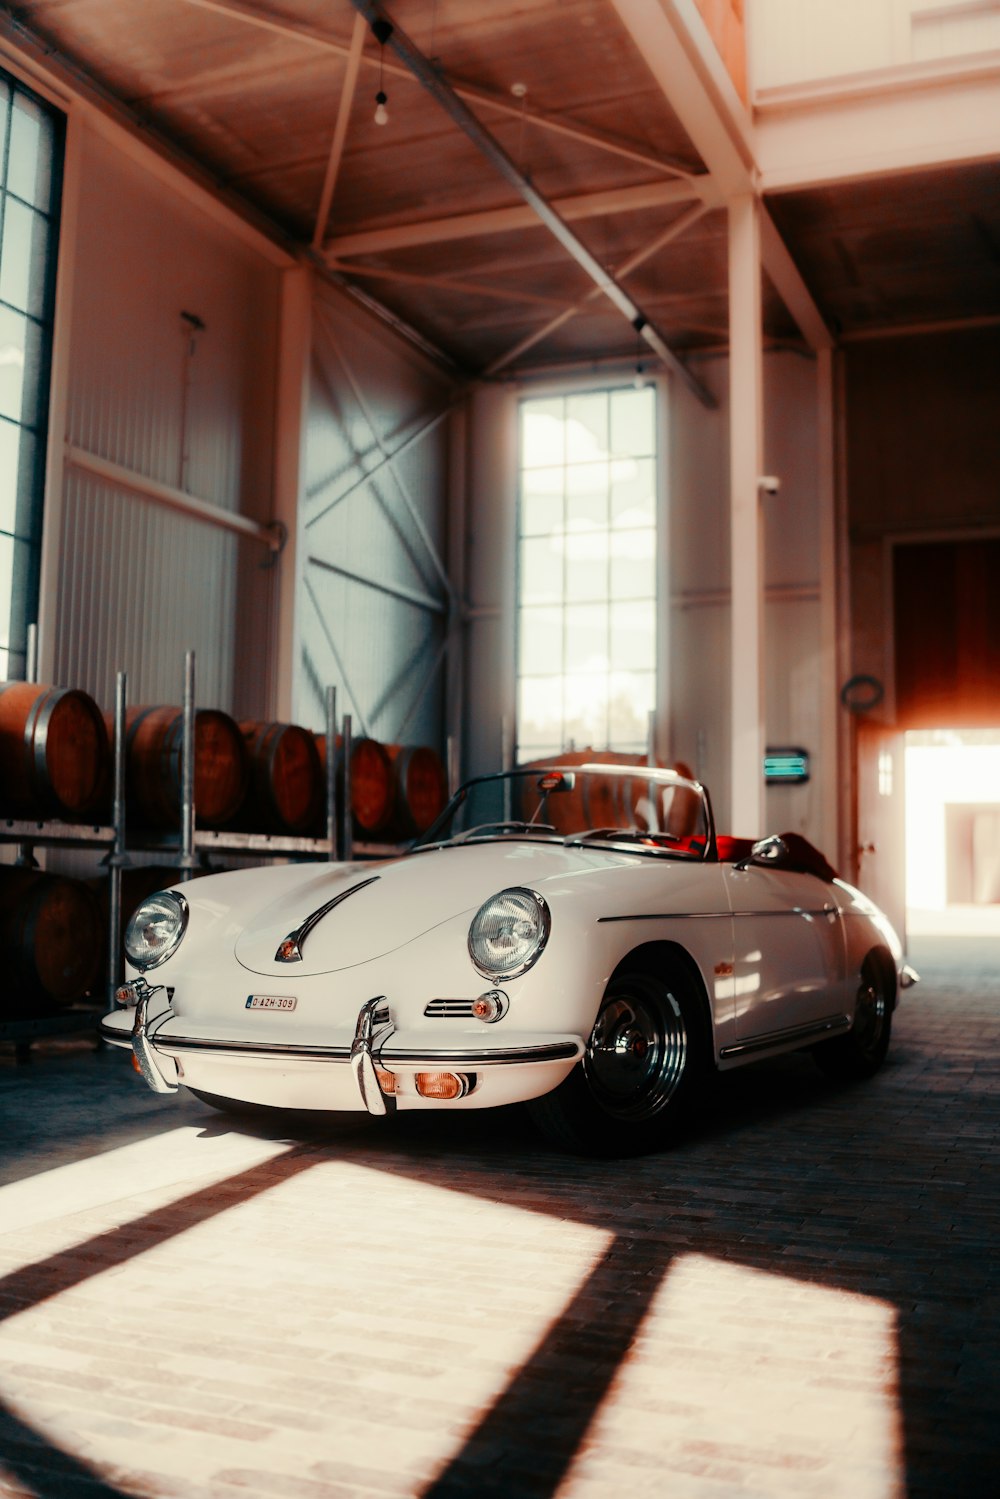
(138, 584)
(373, 598)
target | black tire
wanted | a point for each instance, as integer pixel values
(642, 1059)
(860, 1053)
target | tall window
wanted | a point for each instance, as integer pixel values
(586, 598)
(30, 160)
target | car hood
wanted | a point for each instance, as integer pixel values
(375, 909)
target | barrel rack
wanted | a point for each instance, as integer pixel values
(190, 848)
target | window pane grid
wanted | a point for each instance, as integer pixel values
(586, 587)
(30, 163)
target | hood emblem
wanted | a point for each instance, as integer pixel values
(290, 950)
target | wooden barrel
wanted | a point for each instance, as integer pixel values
(51, 940)
(153, 766)
(286, 778)
(54, 754)
(593, 803)
(420, 788)
(372, 790)
(396, 790)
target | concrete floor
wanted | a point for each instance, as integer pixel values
(797, 1300)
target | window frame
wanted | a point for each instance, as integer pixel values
(27, 526)
(602, 383)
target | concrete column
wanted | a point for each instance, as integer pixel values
(746, 427)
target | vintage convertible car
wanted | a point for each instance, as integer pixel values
(577, 939)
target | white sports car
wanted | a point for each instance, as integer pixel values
(577, 939)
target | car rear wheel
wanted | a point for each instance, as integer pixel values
(861, 1052)
(628, 1090)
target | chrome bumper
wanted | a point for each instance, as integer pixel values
(152, 1008)
(155, 1055)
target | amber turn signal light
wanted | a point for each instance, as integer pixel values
(439, 1085)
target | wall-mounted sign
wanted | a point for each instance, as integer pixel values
(785, 765)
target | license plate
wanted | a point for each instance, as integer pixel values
(270, 1002)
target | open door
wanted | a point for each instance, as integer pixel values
(881, 845)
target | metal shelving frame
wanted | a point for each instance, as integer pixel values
(31, 833)
(188, 848)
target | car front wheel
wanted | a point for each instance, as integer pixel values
(627, 1092)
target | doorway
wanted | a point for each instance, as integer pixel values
(953, 833)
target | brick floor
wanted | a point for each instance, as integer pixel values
(798, 1301)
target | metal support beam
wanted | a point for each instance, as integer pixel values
(484, 289)
(174, 499)
(314, 37)
(290, 426)
(672, 232)
(340, 131)
(669, 34)
(826, 495)
(746, 521)
(790, 286)
(393, 465)
(685, 62)
(504, 220)
(494, 153)
(392, 590)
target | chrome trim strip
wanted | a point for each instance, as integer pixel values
(554, 1051)
(290, 950)
(177, 1045)
(669, 916)
(115, 1036)
(791, 911)
(715, 915)
(817, 1028)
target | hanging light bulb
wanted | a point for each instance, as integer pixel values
(383, 31)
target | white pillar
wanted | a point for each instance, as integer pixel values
(828, 768)
(746, 427)
(291, 421)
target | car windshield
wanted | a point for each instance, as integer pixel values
(652, 811)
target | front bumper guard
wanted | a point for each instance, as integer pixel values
(152, 1008)
(155, 1058)
(374, 1027)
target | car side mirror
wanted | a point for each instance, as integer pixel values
(773, 850)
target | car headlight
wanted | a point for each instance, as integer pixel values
(509, 933)
(156, 929)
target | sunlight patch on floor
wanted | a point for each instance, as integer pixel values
(280, 1339)
(740, 1376)
(168, 1165)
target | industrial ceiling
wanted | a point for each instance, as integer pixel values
(276, 104)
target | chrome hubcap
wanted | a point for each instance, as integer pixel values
(636, 1056)
(870, 1015)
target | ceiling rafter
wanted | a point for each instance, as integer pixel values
(339, 131)
(312, 36)
(518, 216)
(492, 292)
(672, 232)
(684, 61)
